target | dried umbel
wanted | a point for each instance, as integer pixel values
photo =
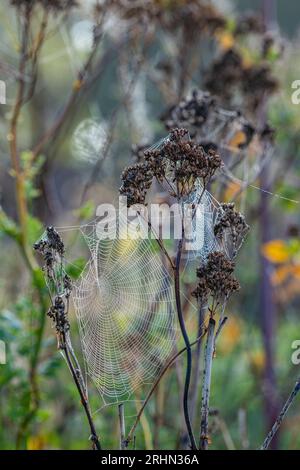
(254, 81)
(186, 160)
(179, 161)
(225, 72)
(194, 16)
(191, 111)
(257, 81)
(138, 153)
(136, 181)
(208, 122)
(231, 228)
(216, 279)
(54, 5)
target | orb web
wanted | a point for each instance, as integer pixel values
(124, 299)
(202, 240)
(124, 303)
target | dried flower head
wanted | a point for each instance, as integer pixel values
(52, 249)
(138, 153)
(215, 279)
(54, 5)
(228, 68)
(257, 81)
(179, 161)
(136, 180)
(58, 314)
(191, 112)
(186, 160)
(231, 228)
(193, 16)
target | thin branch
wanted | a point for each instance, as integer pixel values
(75, 374)
(281, 416)
(220, 327)
(122, 426)
(197, 368)
(209, 350)
(187, 345)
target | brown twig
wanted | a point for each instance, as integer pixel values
(281, 416)
(197, 368)
(84, 401)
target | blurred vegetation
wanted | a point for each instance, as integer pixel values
(98, 79)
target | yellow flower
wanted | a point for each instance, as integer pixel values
(258, 361)
(238, 139)
(35, 443)
(231, 191)
(230, 336)
(276, 251)
(225, 40)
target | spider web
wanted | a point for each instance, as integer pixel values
(201, 233)
(125, 300)
(124, 303)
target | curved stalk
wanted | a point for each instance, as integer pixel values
(187, 345)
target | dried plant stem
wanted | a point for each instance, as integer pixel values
(157, 381)
(209, 350)
(187, 345)
(220, 327)
(281, 416)
(197, 367)
(122, 426)
(225, 433)
(78, 380)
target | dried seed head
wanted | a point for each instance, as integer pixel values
(54, 5)
(216, 278)
(257, 81)
(191, 112)
(231, 227)
(138, 153)
(179, 160)
(136, 180)
(230, 67)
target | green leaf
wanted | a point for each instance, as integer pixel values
(9, 227)
(75, 269)
(86, 211)
(35, 228)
